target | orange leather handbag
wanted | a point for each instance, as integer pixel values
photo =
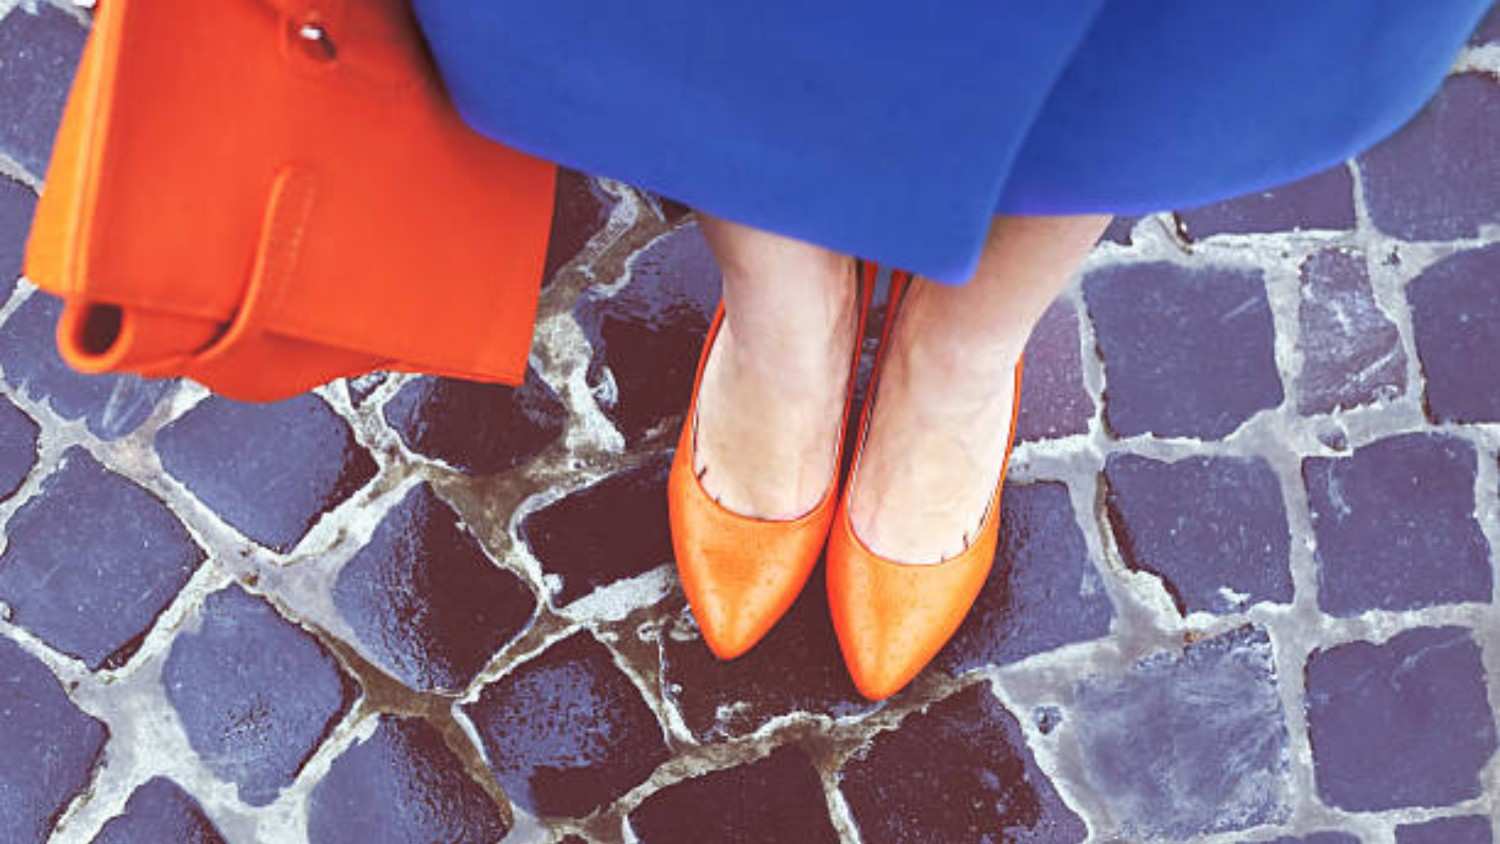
(264, 195)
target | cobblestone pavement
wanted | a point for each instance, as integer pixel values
(1246, 585)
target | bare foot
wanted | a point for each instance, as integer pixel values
(772, 398)
(937, 437)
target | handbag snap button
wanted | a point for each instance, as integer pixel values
(314, 42)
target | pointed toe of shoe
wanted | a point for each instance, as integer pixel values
(892, 618)
(740, 574)
(733, 620)
(880, 661)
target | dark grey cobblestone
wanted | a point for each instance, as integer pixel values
(1322, 201)
(160, 811)
(1048, 594)
(608, 531)
(769, 801)
(410, 609)
(1439, 177)
(1488, 30)
(112, 406)
(1190, 743)
(960, 771)
(424, 599)
(401, 785)
(1314, 838)
(40, 52)
(1351, 351)
(1403, 723)
(1213, 528)
(227, 682)
(1120, 230)
(17, 203)
(567, 732)
(646, 337)
(478, 429)
(1054, 400)
(581, 209)
(92, 560)
(795, 670)
(271, 471)
(1395, 525)
(18, 441)
(1467, 829)
(1455, 313)
(50, 747)
(1187, 352)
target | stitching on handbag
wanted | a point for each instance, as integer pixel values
(292, 204)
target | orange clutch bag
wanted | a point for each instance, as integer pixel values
(264, 195)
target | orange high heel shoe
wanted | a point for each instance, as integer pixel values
(742, 573)
(892, 618)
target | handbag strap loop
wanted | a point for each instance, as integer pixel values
(283, 232)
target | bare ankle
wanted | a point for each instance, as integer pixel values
(928, 343)
(801, 349)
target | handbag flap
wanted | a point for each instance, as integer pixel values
(422, 244)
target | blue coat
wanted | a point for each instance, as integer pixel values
(895, 130)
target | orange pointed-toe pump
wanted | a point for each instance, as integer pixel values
(892, 618)
(742, 573)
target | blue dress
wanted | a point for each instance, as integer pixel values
(895, 130)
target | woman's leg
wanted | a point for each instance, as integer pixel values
(937, 439)
(773, 389)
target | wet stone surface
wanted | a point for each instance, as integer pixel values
(50, 747)
(17, 203)
(40, 53)
(772, 800)
(92, 560)
(1465, 829)
(271, 471)
(960, 771)
(795, 669)
(1488, 30)
(580, 210)
(1314, 838)
(566, 731)
(1054, 402)
(1321, 201)
(1455, 312)
(1214, 529)
(401, 785)
(361, 387)
(347, 699)
(425, 601)
(1187, 352)
(1351, 350)
(111, 406)
(227, 681)
(1438, 178)
(1403, 723)
(476, 428)
(1395, 526)
(606, 532)
(1189, 743)
(647, 335)
(1120, 230)
(18, 441)
(1043, 591)
(160, 811)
